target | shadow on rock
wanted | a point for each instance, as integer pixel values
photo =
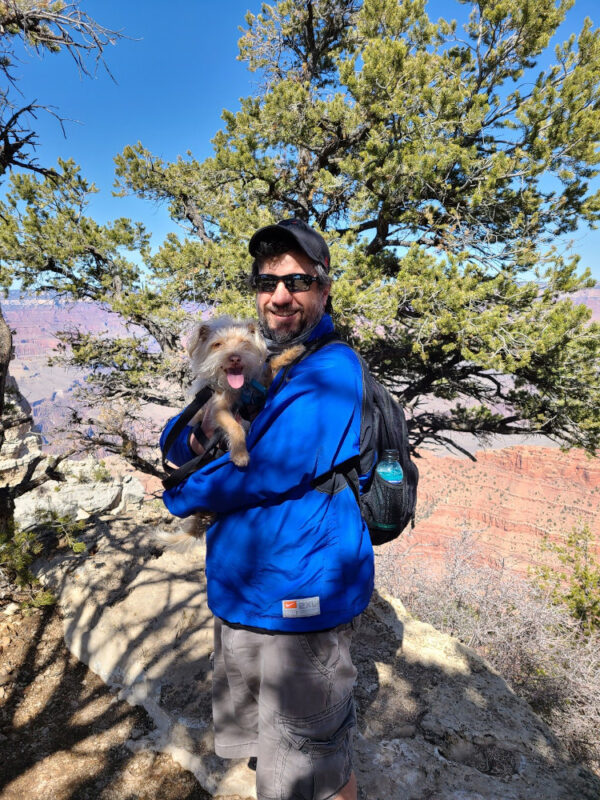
(434, 720)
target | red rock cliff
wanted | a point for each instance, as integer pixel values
(510, 499)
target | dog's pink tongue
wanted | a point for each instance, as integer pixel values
(235, 379)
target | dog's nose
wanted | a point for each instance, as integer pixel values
(235, 360)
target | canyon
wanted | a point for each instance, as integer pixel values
(510, 499)
(508, 503)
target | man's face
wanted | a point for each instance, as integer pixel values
(284, 315)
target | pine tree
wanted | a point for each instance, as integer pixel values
(442, 166)
(49, 27)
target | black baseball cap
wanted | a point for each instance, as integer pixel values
(307, 239)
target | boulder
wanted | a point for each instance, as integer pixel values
(86, 492)
(132, 493)
(66, 500)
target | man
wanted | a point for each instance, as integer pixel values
(289, 563)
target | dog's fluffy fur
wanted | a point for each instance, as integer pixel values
(226, 353)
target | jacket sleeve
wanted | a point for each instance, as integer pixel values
(311, 425)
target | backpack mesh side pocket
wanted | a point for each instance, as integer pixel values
(387, 508)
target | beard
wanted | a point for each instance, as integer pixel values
(278, 336)
(283, 336)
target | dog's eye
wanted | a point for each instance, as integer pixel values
(215, 345)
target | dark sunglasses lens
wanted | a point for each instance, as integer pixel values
(266, 283)
(298, 283)
(293, 283)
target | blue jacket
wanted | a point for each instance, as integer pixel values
(282, 555)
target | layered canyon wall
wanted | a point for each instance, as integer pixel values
(510, 498)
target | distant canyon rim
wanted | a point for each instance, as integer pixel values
(509, 499)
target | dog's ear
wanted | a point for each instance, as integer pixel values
(198, 335)
(258, 338)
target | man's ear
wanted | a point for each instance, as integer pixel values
(325, 294)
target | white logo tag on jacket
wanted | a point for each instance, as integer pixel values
(303, 607)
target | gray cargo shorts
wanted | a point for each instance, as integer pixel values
(287, 700)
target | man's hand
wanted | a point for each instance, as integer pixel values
(208, 431)
(196, 446)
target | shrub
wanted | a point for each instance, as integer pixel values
(20, 547)
(534, 642)
(16, 554)
(101, 473)
(50, 524)
(574, 581)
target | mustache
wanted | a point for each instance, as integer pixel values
(288, 307)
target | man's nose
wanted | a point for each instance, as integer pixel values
(281, 296)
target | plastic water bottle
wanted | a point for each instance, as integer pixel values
(389, 467)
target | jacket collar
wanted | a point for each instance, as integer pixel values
(322, 328)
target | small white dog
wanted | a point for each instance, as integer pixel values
(225, 354)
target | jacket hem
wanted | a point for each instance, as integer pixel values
(278, 626)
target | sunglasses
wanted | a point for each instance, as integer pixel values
(293, 283)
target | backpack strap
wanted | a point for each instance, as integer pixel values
(347, 474)
(310, 348)
(339, 477)
(186, 415)
(211, 451)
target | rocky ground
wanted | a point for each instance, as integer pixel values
(64, 734)
(435, 722)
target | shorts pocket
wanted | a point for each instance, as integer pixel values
(315, 754)
(322, 649)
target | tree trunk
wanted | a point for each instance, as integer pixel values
(7, 513)
(5, 356)
(7, 502)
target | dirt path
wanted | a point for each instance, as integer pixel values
(63, 734)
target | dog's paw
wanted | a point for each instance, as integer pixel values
(240, 458)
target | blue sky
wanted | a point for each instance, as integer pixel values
(174, 76)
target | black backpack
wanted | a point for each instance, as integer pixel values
(386, 508)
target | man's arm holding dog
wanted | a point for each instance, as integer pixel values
(187, 445)
(310, 426)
